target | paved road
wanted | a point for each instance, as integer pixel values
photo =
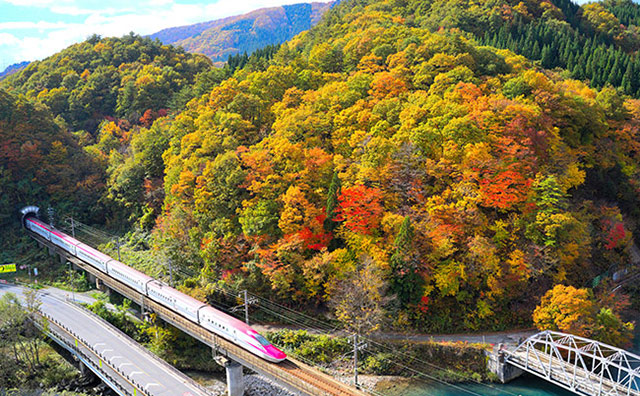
(157, 377)
(512, 337)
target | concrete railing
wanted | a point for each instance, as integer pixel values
(96, 367)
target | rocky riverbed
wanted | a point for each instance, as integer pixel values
(255, 385)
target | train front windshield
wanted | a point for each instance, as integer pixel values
(262, 340)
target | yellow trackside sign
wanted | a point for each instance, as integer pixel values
(4, 268)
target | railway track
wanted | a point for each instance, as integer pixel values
(290, 373)
(310, 376)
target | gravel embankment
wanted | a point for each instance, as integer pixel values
(254, 385)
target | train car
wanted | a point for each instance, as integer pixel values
(239, 333)
(38, 227)
(210, 318)
(92, 256)
(166, 295)
(63, 240)
(127, 275)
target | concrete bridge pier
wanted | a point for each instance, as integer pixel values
(235, 380)
(102, 287)
(497, 364)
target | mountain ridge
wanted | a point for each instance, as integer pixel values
(248, 32)
(14, 68)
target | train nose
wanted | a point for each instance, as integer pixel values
(275, 353)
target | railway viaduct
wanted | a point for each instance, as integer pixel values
(293, 375)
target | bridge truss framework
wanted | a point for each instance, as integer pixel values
(581, 365)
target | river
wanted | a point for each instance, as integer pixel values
(527, 385)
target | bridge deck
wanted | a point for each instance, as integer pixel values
(116, 358)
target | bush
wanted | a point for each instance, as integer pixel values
(380, 364)
(315, 348)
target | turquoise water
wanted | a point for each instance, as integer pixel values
(524, 386)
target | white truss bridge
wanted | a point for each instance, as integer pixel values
(581, 365)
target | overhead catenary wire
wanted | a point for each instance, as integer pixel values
(329, 330)
(462, 376)
(293, 317)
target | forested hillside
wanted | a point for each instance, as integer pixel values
(388, 151)
(41, 163)
(111, 77)
(59, 117)
(456, 182)
(598, 41)
(244, 33)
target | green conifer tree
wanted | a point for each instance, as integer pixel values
(332, 203)
(406, 282)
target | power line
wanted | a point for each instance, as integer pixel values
(378, 345)
(293, 317)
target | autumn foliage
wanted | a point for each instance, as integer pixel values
(465, 176)
(360, 209)
(574, 311)
(466, 180)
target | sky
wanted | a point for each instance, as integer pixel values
(34, 29)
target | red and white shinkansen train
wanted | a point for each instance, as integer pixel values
(208, 317)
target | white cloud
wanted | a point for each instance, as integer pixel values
(156, 3)
(8, 39)
(70, 10)
(36, 3)
(47, 38)
(41, 25)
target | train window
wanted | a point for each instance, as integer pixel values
(262, 340)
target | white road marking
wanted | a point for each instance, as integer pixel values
(53, 305)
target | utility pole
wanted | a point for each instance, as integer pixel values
(118, 247)
(170, 273)
(356, 347)
(355, 359)
(50, 214)
(168, 264)
(73, 287)
(246, 307)
(73, 228)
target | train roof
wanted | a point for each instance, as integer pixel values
(176, 293)
(129, 270)
(94, 252)
(38, 222)
(54, 231)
